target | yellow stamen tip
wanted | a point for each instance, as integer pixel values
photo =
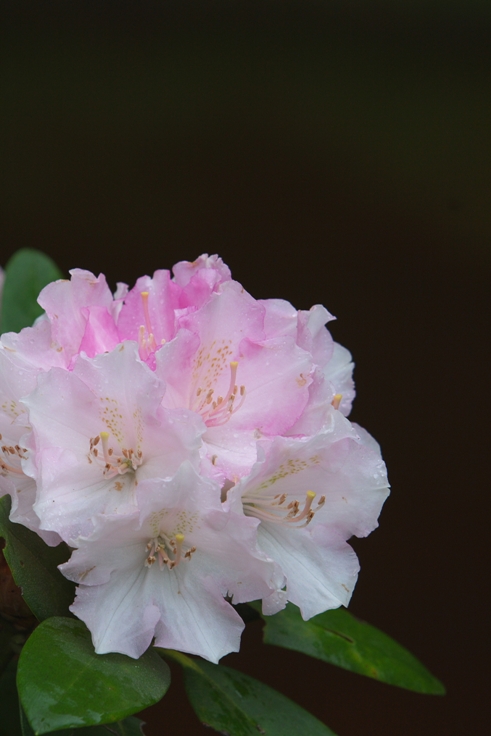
(337, 400)
(179, 538)
(311, 495)
(234, 363)
(104, 435)
(144, 294)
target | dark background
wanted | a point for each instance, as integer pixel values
(332, 152)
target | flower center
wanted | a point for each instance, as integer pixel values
(217, 411)
(275, 508)
(113, 463)
(168, 551)
(11, 453)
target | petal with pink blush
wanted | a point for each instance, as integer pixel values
(281, 318)
(317, 408)
(63, 302)
(199, 279)
(276, 376)
(313, 335)
(185, 271)
(227, 317)
(101, 334)
(148, 315)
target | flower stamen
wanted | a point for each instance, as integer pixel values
(10, 452)
(114, 464)
(216, 412)
(267, 509)
(168, 551)
(146, 343)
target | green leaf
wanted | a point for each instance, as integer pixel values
(63, 683)
(238, 705)
(26, 273)
(9, 703)
(34, 567)
(339, 638)
(128, 727)
(27, 730)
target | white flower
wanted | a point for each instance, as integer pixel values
(163, 571)
(98, 431)
(312, 494)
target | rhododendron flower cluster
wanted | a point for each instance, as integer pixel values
(191, 445)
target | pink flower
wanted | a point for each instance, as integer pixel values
(152, 309)
(245, 386)
(85, 316)
(148, 315)
(192, 444)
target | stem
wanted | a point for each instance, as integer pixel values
(178, 657)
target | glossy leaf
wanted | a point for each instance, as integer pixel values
(26, 273)
(63, 684)
(9, 702)
(128, 727)
(34, 567)
(238, 705)
(339, 638)
(27, 730)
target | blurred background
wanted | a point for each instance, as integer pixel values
(330, 151)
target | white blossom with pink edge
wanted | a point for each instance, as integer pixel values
(98, 431)
(185, 414)
(164, 571)
(311, 495)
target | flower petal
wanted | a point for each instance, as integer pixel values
(320, 567)
(63, 302)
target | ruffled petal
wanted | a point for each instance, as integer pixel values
(64, 301)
